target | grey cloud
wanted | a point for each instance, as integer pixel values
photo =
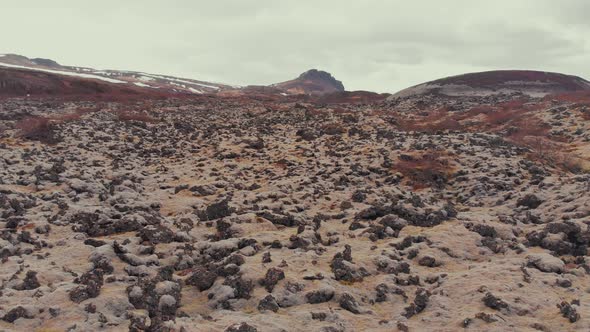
(378, 45)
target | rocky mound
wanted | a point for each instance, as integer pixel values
(46, 62)
(531, 83)
(312, 82)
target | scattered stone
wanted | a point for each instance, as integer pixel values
(321, 295)
(268, 303)
(420, 302)
(201, 278)
(31, 281)
(568, 311)
(242, 327)
(272, 277)
(16, 313)
(90, 284)
(348, 302)
(216, 210)
(546, 263)
(493, 302)
(530, 201)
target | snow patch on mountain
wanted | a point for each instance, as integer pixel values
(65, 73)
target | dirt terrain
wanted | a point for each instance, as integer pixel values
(426, 213)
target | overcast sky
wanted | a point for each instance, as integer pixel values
(378, 45)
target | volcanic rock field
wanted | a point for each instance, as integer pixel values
(245, 214)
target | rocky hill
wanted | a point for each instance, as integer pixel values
(313, 82)
(118, 79)
(531, 83)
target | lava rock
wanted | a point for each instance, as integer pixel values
(530, 201)
(348, 302)
(31, 281)
(90, 285)
(155, 234)
(272, 277)
(202, 278)
(242, 327)
(216, 210)
(428, 261)
(494, 302)
(420, 302)
(546, 263)
(568, 311)
(320, 296)
(268, 303)
(16, 313)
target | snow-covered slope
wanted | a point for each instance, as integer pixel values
(137, 79)
(311, 83)
(66, 73)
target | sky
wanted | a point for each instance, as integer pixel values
(376, 45)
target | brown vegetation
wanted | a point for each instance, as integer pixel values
(135, 116)
(427, 170)
(432, 122)
(551, 154)
(36, 128)
(67, 117)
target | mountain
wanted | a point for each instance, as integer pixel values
(159, 84)
(313, 82)
(531, 83)
(21, 76)
(15, 82)
(14, 70)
